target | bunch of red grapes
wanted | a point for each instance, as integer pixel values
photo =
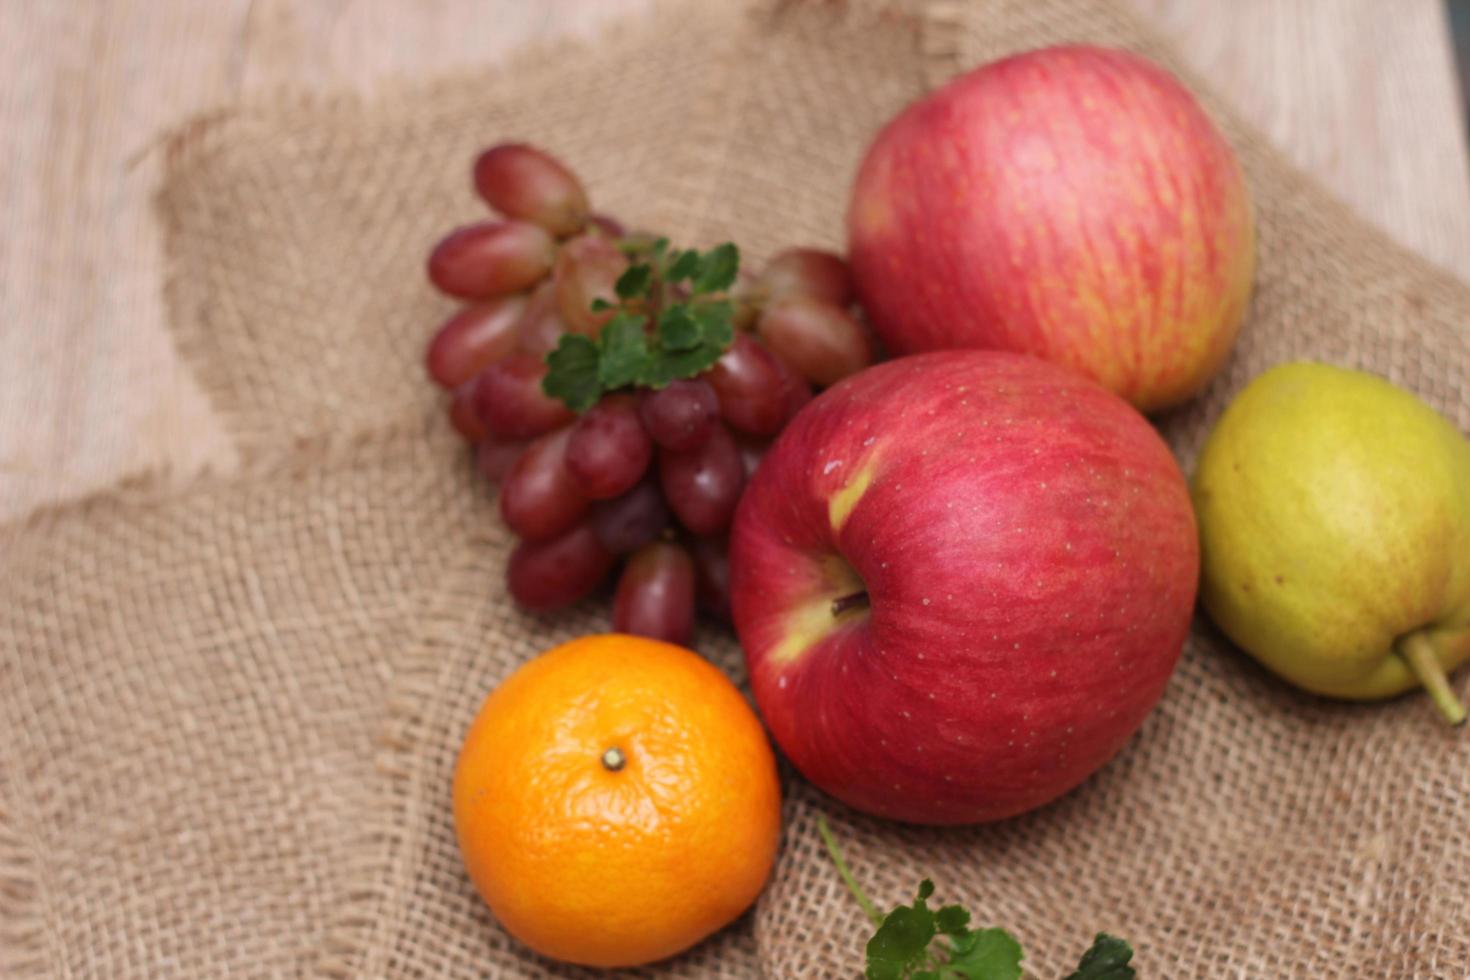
(649, 477)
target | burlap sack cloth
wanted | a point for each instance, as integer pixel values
(228, 719)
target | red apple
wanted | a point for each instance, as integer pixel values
(1075, 203)
(961, 580)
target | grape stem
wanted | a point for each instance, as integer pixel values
(845, 872)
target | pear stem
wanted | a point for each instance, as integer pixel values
(1418, 651)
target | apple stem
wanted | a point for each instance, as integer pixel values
(854, 601)
(1418, 651)
(835, 852)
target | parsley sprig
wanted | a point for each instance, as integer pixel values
(673, 320)
(915, 942)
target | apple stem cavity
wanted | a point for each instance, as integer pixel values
(835, 853)
(857, 600)
(1418, 651)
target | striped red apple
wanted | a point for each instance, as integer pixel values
(1075, 203)
(961, 580)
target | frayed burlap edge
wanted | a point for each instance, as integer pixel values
(195, 143)
(295, 457)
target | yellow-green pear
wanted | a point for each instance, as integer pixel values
(1334, 517)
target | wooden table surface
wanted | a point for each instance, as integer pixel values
(1360, 92)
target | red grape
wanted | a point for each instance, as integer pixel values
(545, 575)
(794, 390)
(510, 401)
(821, 341)
(491, 258)
(748, 297)
(472, 338)
(655, 596)
(808, 272)
(540, 327)
(712, 575)
(703, 485)
(521, 181)
(754, 388)
(751, 453)
(540, 499)
(609, 449)
(627, 523)
(462, 413)
(682, 415)
(580, 491)
(587, 268)
(494, 458)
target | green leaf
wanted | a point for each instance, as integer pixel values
(902, 940)
(952, 919)
(624, 350)
(716, 321)
(1106, 959)
(687, 338)
(900, 949)
(687, 356)
(572, 372)
(670, 365)
(718, 269)
(634, 281)
(686, 265)
(985, 954)
(677, 330)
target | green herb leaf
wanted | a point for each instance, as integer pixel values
(688, 352)
(686, 265)
(688, 336)
(1106, 959)
(718, 269)
(677, 330)
(716, 322)
(952, 920)
(901, 943)
(671, 365)
(624, 350)
(914, 942)
(985, 954)
(634, 281)
(572, 372)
